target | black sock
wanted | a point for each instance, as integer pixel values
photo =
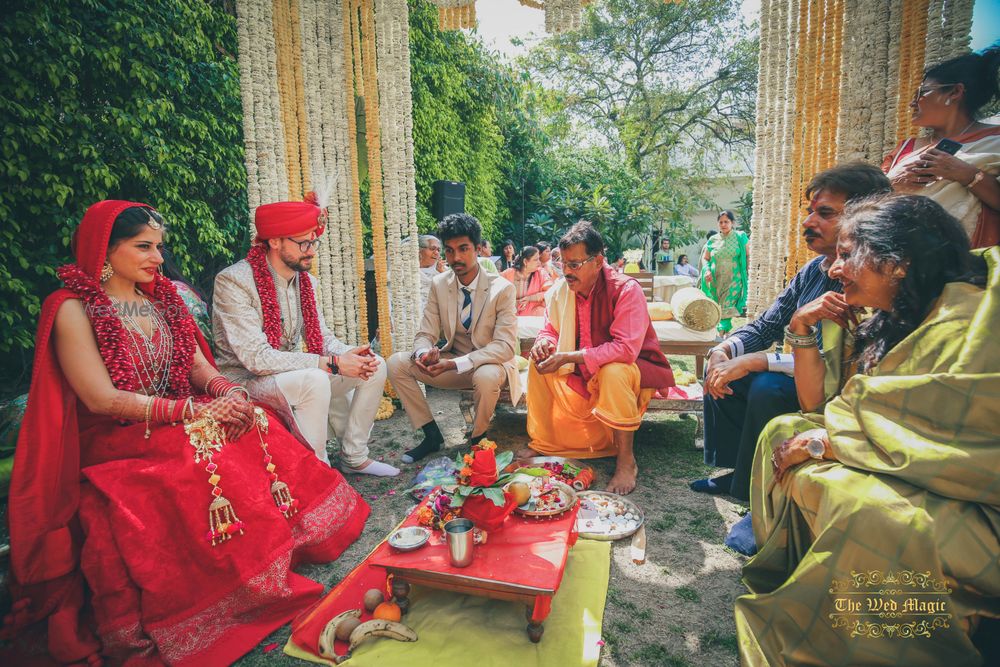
(431, 443)
(724, 481)
(474, 440)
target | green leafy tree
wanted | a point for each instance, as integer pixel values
(595, 185)
(656, 79)
(115, 99)
(456, 132)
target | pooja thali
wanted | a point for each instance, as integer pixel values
(560, 469)
(607, 516)
(548, 498)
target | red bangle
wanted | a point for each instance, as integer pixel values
(177, 411)
(220, 386)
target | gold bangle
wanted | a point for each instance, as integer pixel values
(149, 407)
(188, 404)
(980, 175)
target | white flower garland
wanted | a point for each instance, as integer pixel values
(396, 123)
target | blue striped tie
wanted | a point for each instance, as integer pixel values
(467, 309)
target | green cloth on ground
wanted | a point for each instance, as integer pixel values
(455, 629)
(915, 488)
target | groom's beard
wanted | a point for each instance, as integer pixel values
(298, 263)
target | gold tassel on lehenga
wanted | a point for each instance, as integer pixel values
(279, 490)
(207, 437)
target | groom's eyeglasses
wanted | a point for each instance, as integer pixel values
(305, 246)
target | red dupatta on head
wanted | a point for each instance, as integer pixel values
(45, 487)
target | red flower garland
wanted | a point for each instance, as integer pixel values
(110, 332)
(257, 258)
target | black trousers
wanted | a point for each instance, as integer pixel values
(733, 424)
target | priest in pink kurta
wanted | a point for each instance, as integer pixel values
(596, 362)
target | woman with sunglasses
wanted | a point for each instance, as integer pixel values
(948, 103)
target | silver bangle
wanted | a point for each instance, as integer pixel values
(802, 340)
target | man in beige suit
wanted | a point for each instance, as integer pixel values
(474, 312)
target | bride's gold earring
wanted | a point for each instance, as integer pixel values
(106, 272)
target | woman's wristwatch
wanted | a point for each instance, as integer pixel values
(816, 448)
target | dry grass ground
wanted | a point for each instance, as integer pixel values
(674, 610)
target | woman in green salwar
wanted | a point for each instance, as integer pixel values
(886, 500)
(724, 270)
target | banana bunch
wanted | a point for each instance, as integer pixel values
(683, 378)
(359, 633)
(385, 409)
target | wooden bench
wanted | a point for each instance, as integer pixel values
(645, 280)
(676, 406)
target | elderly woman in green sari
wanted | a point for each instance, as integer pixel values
(877, 515)
(724, 270)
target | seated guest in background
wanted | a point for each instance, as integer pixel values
(682, 268)
(596, 362)
(545, 258)
(899, 472)
(264, 308)
(120, 536)
(485, 259)
(530, 281)
(431, 264)
(473, 311)
(746, 388)
(948, 102)
(557, 261)
(507, 255)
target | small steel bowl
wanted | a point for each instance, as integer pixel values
(409, 538)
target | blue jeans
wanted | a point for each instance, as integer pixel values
(733, 424)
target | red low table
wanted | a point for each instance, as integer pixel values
(522, 562)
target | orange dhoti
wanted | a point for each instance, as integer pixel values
(561, 422)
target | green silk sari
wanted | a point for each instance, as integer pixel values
(724, 276)
(909, 511)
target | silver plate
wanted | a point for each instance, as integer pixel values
(396, 540)
(629, 506)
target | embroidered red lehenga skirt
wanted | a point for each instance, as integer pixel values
(160, 592)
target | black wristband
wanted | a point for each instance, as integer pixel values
(332, 365)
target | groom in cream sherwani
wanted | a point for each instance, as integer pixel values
(474, 313)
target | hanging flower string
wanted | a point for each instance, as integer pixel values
(257, 257)
(280, 492)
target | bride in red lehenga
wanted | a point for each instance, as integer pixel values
(130, 512)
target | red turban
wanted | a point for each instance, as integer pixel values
(288, 218)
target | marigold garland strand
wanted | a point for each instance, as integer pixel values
(372, 134)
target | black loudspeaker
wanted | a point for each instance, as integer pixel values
(449, 197)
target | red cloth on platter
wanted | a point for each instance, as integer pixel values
(654, 369)
(92, 499)
(288, 218)
(529, 552)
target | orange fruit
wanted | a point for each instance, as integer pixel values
(388, 611)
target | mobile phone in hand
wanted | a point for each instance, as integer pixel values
(948, 146)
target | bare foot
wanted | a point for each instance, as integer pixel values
(525, 453)
(623, 481)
